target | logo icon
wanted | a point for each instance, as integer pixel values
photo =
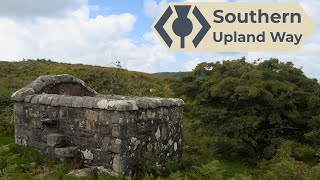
(182, 26)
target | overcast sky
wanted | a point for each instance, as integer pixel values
(98, 32)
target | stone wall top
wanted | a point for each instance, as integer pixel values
(55, 84)
(68, 91)
(114, 103)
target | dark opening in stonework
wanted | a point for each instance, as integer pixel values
(71, 89)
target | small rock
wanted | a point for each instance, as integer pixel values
(21, 94)
(81, 172)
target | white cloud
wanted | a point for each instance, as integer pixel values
(312, 7)
(39, 8)
(61, 39)
(193, 59)
(192, 63)
(152, 8)
(146, 57)
(307, 58)
(94, 8)
(76, 38)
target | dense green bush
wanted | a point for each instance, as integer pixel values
(207, 171)
(233, 149)
(257, 104)
(18, 162)
(148, 168)
(283, 165)
(304, 152)
(314, 173)
(6, 112)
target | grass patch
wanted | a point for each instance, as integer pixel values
(234, 168)
(4, 140)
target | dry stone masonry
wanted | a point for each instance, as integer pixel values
(62, 117)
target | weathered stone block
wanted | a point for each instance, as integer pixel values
(37, 85)
(117, 164)
(20, 118)
(28, 98)
(49, 122)
(102, 158)
(37, 145)
(116, 130)
(55, 101)
(19, 108)
(119, 131)
(106, 143)
(91, 117)
(66, 152)
(87, 156)
(88, 102)
(21, 94)
(116, 146)
(56, 140)
(105, 117)
(104, 129)
(35, 99)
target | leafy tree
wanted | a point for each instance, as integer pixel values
(258, 104)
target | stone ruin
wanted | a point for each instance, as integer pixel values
(62, 117)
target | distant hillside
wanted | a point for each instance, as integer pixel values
(172, 74)
(105, 80)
